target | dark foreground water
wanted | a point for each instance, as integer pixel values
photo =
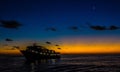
(68, 63)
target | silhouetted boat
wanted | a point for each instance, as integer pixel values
(35, 52)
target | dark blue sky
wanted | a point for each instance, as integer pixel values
(37, 15)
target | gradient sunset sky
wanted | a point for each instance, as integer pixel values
(36, 16)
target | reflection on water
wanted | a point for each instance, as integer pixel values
(68, 63)
(18, 64)
(40, 65)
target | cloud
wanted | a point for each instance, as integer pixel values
(51, 29)
(75, 28)
(56, 45)
(10, 24)
(98, 27)
(48, 42)
(7, 39)
(114, 27)
(58, 48)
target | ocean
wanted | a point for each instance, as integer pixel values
(68, 63)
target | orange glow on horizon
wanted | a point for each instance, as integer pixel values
(10, 52)
(77, 49)
(77, 45)
(88, 49)
(90, 45)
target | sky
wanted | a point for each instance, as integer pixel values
(39, 17)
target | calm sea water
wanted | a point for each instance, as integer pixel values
(68, 63)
